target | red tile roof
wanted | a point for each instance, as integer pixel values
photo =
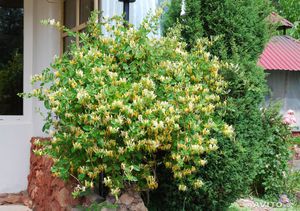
(281, 53)
(277, 19)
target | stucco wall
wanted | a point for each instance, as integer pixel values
(46, 46)
(14, 156)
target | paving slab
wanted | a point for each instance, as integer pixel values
(14, 208)
(296, 165)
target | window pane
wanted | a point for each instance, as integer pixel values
(70, 13)
(67, 42)
(11, 57)
(86, 7)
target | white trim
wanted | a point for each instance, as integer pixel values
(27, 67)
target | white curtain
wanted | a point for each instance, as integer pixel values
(285, 87)
(138, 10)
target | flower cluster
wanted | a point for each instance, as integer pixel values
(124, 103)
(289, 118)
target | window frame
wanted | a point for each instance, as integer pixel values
(27, 58)
(78, 26)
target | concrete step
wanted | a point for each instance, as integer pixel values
(14, 208)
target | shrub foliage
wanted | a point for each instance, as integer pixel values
(271, 179)
(128, 102)
(241, 24)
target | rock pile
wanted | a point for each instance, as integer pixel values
(46, 191)
(19, 198)
(131, 201)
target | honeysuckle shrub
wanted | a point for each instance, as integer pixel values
(126, 102)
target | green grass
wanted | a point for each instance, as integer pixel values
(296, 140)
(236, 207)
(294, 208)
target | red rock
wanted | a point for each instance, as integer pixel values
(12, 198)
(93, 198)
(56, 182)
(39, 176)
(126, 199)
(27, 202)
(54, 206)
(46, 191)
(62, 197)
(131, 201)
(33, 192)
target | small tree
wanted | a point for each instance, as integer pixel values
(126, 103)
(240, 25)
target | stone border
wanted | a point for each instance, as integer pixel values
(16, 198)
(46, 191)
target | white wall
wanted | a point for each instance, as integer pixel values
(137, 10)
(284, 87)
(46, 46)
(14, 156)
(40, 45)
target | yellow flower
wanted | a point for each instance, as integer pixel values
(151, 182)
(88, 184)
(213, 147)
(228, 130)
(57, 74)
(182, 187)
(198, 184)
(205, 131)
(107, 181)
(79, 73)
(178, 175)
(77, 145)
(213, 141)
(92, 175)
(115, 191)
(168, 164)
(202, 162)
(82, 95)
(52, 22)
(214, 68)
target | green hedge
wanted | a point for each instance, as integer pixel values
(241, 32)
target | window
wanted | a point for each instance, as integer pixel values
(11, 57)
(75, 15)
